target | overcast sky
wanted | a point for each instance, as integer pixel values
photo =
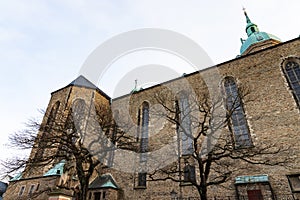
(43, 44)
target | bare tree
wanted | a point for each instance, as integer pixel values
(210, 146)
(68, 136)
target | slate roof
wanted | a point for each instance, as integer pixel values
(81, 81)
(104, 181)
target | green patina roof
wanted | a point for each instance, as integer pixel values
(256, 38)
(252, 179)
(17, 177)
(104, 181)
(254, 35)
(57, 169)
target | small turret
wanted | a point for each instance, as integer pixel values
(256, 40)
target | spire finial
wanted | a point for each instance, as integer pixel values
(135, 89)
(135, 84)
(247, 18)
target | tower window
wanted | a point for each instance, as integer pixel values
(142, 179)
(291, 70)
(31, 190)
(21, 190)
(52, 116)
(238, 123)
(47, 130)
(189, 173)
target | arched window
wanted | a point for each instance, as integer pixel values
(78, 110)
(185, 125)
(44, 137)
(142, 176)
(145, 129)
(238, 123)
(291, 69)
(75, 119)
(52, 116)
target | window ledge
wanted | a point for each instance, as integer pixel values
(140, 187)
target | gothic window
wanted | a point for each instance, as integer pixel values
(138, 131)
(50, 124)
(78, 111)
(238, 123)
(142, 179)
(22, 189)
(31, 190)
(73, 125)
(145, 127)
(185, 125)
(52, 116)
(111, 152)
(189, 173)
(75, 119)
(291, 69)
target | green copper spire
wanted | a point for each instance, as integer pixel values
(251, 27)
(256, 40)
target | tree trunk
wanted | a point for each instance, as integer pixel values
(203, 193)
(84, 184)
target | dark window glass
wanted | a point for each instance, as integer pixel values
(234, 107)
(31, 189)
(97, 195)
(292, 73)
(21, 191)
(189, 173)
(142, 179)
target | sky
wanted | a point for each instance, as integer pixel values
(43, 44)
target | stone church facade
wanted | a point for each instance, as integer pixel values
(268, 70)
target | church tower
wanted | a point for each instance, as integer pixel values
(256, 40)
(65, 121)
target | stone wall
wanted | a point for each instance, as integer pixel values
(270, 108)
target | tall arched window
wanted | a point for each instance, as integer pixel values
(145, 130)
(142, 176)
(185, 125)
(78, 111)
(291, 69)
(75, 119)
(48, 128)
(52, 116)
(238, 123)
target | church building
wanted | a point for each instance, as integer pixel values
(234, 126)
